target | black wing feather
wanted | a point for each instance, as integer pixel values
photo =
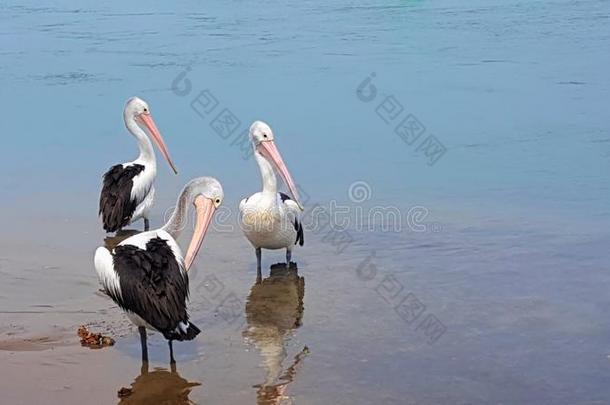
(297, 225)
(116, 205)
(300, 238)
(154, 287)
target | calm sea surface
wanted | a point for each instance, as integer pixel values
(465, 146)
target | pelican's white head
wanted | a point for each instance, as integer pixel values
(207, 187)
(137, 110)
(136, 106)
(263, 143)
(259, 132)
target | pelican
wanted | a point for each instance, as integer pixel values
(128, 192)
(146, 274)
(269, 219)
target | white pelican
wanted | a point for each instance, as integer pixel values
(146, 274)
(128, 192)
(269, 219)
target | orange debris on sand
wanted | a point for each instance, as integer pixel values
(124, 392)
(93, 340)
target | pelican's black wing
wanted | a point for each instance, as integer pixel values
(116, 205)
(292, 205)
(155, 287)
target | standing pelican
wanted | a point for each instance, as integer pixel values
(146, 274)
(128, 192)
(270, 219)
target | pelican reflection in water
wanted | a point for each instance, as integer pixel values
(159, 386)
(274, 309)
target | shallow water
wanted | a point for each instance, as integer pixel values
(490, 286)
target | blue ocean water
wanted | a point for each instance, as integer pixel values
(514, 91)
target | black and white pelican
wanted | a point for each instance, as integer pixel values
(146, 274)
(269, 219)
(128, 192)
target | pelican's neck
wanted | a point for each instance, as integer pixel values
(267, 174)
(177, 222)
(147, 154)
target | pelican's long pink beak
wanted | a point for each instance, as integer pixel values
(270, 152)
(156, 135)
(204, 212)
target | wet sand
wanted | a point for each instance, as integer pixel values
(54, 292)
(337, 330)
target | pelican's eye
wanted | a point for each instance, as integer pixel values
(218, 201)
(265, 136)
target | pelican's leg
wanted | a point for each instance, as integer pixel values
(259, 276)
(258, 258)
(144, 368)
(171, 352)
(142, 331)
(146, 225)
(288, 256)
